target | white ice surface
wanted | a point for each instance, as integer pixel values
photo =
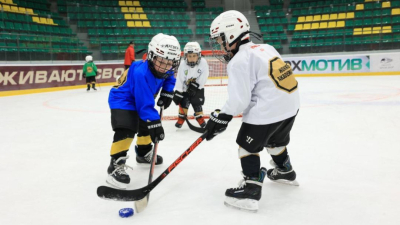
(344, 147)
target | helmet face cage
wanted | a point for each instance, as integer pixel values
(158, 64)
(192, 64)
(218, 48)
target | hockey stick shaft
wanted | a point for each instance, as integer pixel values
(138, 194)
(154, 158)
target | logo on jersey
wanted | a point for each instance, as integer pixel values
(282, 75)
(89, 69)
(199, 71)
(186, 72)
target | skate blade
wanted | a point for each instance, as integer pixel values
(114, 183)
(248, 205)
(287, 182)
(141, 205)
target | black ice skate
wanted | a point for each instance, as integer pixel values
(247, 195)
(145, 160)
(94, 87)
(88, 87)
(284, 175)
(117, 175)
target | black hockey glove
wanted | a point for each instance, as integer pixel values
(193, 88)
(165, 99)
(217, 124)
(84, 75)
(177, 97)
(156, 131)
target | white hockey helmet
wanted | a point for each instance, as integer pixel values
(161, 47)
(192, 47)
(89, 58)
(229, 27)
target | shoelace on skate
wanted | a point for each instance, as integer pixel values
(148, 156)
(121, 169)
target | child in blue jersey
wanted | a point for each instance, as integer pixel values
(132, 104)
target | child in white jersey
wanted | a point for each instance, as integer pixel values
(189, 88)
(263, 87)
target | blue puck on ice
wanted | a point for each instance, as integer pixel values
(126, 212)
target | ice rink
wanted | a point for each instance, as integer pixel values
(344, 147)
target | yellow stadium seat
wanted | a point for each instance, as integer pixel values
(128, 16)
(360, 7)
(146, 24)
(131, 23)
(307, 26)
(394, 11)
(350, 15)
(323, 25)
(132, 9)
(340, 23)
(332, 24)
(136, 3)
(6, 8)
(29, 11)
(135, 16)
(138, 24)
(314, 26)
(143, 16)
(298, 27)
(124, 9)
(387, 29)
(121, 3)
(325, 17)
(317, 18)
(14, 9)
(341, 16)
(50, 21)
(139, 10)
(333, 16)
(376, 30)
(43, 20)
(35, 19)
(10, 2)
(22, 10)
(129, 3)
(309, 18)
(357, 31)
(301, 19)
(385, 4)
(367, 30)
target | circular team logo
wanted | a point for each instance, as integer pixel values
(89, 69)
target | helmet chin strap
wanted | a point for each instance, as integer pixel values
(240, 42)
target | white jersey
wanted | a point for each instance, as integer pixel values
(187, 74)
(261, 85)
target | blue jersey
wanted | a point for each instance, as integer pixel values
(137, 90)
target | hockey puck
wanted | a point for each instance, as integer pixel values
(126, 212)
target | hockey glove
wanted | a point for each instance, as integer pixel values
(177, 97)
(156, 131)
(217, 124)
(84, 75)
(193, 88)
(165, 99)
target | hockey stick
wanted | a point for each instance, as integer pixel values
(140, 51)
(142, 204)
(194, 128)
(138, 194)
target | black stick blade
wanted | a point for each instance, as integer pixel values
(121, 195)
(194, 128)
